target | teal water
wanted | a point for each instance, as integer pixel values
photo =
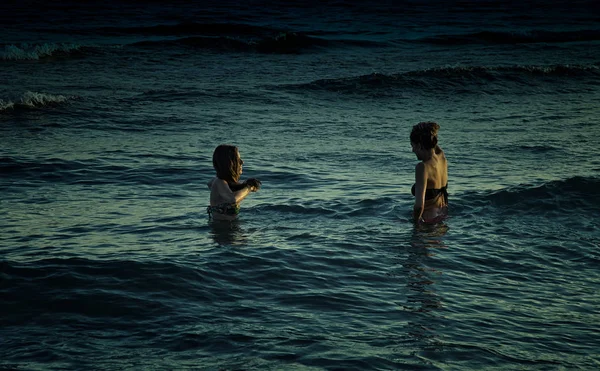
(108, 259)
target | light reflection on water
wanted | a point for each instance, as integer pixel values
(423, 301)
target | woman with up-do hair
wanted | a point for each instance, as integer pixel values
(431, 175)
(226, 192)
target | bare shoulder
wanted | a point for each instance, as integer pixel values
(211, 182)
(440, 155)
(420, 170)
(220, 183)
(217, 183)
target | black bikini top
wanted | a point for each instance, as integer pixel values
(431, 193)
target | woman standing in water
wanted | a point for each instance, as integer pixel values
(431, 175)
(226, 193)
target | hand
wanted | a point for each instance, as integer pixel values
(254, 184)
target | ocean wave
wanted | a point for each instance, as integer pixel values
(461, 77)
(31, 100)
(193, 28)
(92, 172)
(294, 42)
(48, 169)
(236, 37)
(282, 43)
(288, 42)
(59, 283)
(538, 149)
(201, 42)
(36, 51)
(574, 195)
(338, 208)
(197, 33)
(298, 209)
(494, 37)
(499, 71)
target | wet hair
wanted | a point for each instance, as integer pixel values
(226, 162)
(425, 134)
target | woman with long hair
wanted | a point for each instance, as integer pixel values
(226, 192)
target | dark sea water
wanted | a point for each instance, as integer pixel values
(110, 111)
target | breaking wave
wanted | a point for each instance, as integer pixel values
(36, 51)
(282, 42)
(31, 100)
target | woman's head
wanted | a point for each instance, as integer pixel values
(227, 162)
(424, 135)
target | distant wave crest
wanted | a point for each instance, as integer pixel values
(494, 37)
(235, 37)
(461, 77)
(475, 71)
(35, 51)
(89, 172)
(282, 43)
(192, 28)
(32, 100)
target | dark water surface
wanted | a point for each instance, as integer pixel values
(109, 114)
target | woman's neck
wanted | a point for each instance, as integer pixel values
(427, 155)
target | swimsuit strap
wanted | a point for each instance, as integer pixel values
(434, 192)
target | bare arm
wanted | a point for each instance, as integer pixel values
(253, 183)
(227, 194)
(420, 188)
(236, 186)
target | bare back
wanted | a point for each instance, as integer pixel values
(431, 178)
(436, 169)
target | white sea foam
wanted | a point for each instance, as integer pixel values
(35, 51)
(31, 99)
(5, 105)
